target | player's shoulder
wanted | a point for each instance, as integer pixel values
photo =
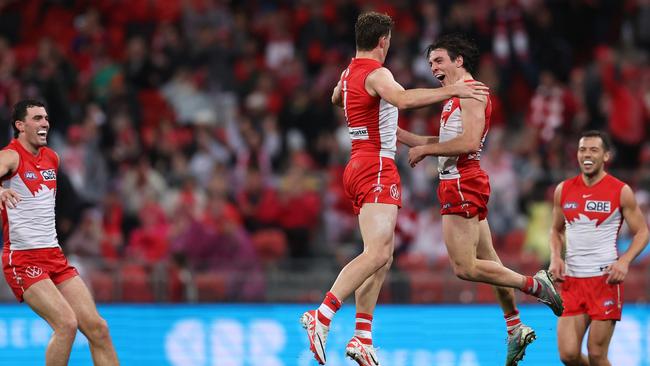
(9, 152)
(612, 180)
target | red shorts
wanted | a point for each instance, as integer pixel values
(372, 180)
(24, 268)
(592, 296)
(466, 196)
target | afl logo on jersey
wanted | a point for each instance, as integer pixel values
(598, 206)
(570, 206)
(30, 175)
(49, 174)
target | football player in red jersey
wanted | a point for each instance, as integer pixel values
(588, 211)
(34, 264)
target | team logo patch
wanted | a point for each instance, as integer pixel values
(359, 133)
(570, 206)
(49, 174)
(608, 303)
(598, 206)
(30, 175)
(33, 271)
(394, 191)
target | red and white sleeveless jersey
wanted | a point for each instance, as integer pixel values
(30, 224)
(372, 121)
(451, 126)
(592, 218)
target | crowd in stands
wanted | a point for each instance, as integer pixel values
(197, 137)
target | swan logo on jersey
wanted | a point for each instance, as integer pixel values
(49, 174)
(33, 271)
(30, 175)
(394, 191)
(598, 206)
(359, 133)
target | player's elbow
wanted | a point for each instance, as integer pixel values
(470, 146)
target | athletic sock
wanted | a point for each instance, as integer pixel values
(328, 309)
(363, 329)
(512, 321)
(532, 286)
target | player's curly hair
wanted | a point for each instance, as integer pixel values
(369, 28)
(458, 45)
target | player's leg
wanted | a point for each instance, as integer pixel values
(600, 334)
(519, 334)
(570, 332)
(93, 326)
(461, 237)
(485, 250)
(377, 223)
(46, 300)
(360, 348)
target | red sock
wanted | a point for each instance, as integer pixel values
(328, 309)
(532, 287)
(512, 321)
(363, 329)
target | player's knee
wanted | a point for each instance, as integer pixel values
(597, 354)
(570, 357)
(464, 271)
(97, 330)
(66, 327)
(380, 259)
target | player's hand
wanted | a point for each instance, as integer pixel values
(557, 269)
(617, 272)
(416, 154)
(472, 89)
(8, 198)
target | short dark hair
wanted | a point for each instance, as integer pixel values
(369, 28)
(458, 45)
(20, 111)
(604, 137)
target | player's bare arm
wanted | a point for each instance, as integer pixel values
(8, 164)
(473, 117)
(382, 83)
(638, 228)
(337, 98)
(411, 139)
(557, 239)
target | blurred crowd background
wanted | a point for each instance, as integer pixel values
(201, 158)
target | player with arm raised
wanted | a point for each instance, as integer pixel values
(464, 191)
(370, 98)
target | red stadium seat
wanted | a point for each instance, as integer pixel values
(102, 286)
(210, 286)
(270, 245)
(136, 284)
(426, 287)
(485, 294)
